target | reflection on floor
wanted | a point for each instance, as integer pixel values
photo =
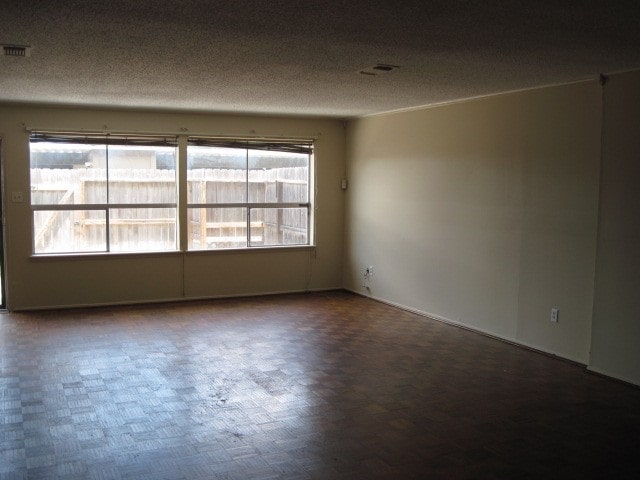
(322, 386)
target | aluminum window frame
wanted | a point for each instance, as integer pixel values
(304, 146)
(106, 140)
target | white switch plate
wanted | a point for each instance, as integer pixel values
(554, 315)
(16, 197)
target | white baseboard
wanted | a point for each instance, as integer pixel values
(599, 371)
(171, 300)
(472, 328)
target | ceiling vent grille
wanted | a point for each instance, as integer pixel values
(16, 50)
(379, 69)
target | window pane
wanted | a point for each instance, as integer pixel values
(278, 177)
(212, 228)
(139, 174)
(57, 231)
(279, 226)
(142, 229)
(63, 174)
(216, 175)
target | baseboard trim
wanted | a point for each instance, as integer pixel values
(160, 301)
(486, 333)
(603, 373)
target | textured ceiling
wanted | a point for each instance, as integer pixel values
(304, 57)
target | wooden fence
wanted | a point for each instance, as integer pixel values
(138, 229)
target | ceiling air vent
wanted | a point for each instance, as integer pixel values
(378, 69)
(16, 50)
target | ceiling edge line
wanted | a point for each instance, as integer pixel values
(427, 106)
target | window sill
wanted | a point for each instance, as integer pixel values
(272, 248)
(176, 253)
(92, 255)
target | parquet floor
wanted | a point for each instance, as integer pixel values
(316, 386)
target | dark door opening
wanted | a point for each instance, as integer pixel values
(3, 298)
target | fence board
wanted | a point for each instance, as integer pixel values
(89, 186)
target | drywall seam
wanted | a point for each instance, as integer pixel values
(603, 81)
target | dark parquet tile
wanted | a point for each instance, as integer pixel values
(317, 386)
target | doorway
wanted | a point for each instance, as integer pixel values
(3, 298)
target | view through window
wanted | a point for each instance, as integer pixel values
(115, 193)
(247, 194)
(103, 194)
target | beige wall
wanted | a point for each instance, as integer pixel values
(88, 280)
(615, 346)
(482, 213)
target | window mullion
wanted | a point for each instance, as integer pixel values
(247, 198)
(183, 185)
(107, 210)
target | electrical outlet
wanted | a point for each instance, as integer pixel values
(369, 271)
(16, 197)
(554, 315)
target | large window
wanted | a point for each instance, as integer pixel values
(103, 193)
(247, 193)
(117, 193)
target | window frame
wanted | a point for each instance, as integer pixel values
(304, 146)
(180, 141)
(106, 140)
